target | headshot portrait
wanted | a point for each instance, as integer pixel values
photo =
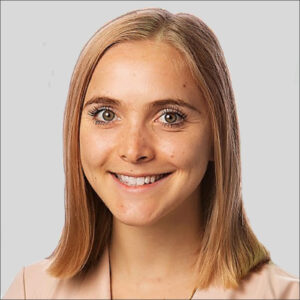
(150, 150)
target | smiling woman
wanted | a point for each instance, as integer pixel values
(140, 137)
(153, 181)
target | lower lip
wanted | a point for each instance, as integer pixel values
(139, 188)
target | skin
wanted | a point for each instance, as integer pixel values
(157, 229)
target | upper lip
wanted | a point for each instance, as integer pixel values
(140, 175)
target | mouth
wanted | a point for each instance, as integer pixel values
(133, 181)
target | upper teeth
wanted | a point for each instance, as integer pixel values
(128, 180)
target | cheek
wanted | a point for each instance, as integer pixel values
(189, 150)
(94, 148)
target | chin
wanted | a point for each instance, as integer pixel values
(135, 222)
(136, 219)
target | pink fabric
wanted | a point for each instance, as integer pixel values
(270, 282)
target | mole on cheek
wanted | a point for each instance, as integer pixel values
(184, 85)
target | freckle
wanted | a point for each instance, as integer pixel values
(121, 208)
(172, 155)
(184, 85)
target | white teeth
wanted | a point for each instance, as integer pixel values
(136, 181)
(140, 181)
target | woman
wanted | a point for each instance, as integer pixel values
(152, 162)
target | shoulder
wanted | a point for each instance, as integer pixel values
(272, 282)
(16, 289)
(286, 285)
(34, 282)
(38, 283)
(31, 281)
(269, 282)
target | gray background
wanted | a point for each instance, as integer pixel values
(40, 43)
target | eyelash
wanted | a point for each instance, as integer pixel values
(174, 110)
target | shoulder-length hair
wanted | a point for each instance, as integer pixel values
(229, 249)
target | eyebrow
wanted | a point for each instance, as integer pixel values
(157, 103)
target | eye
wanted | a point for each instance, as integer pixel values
(106, 114)
(102, 115)
(172, 117)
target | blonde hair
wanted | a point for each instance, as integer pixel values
(229, 249)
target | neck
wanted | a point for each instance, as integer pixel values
(164, 251)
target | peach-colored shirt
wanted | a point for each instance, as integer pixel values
(33, 282)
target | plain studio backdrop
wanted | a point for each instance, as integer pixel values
(40, 44)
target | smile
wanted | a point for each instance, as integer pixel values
(139, 181)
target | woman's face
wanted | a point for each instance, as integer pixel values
(143, 116)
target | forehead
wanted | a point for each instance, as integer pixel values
(148, 54)
(142, 71)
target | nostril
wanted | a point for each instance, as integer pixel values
(142, 157)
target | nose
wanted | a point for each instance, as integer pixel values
(136, 145)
